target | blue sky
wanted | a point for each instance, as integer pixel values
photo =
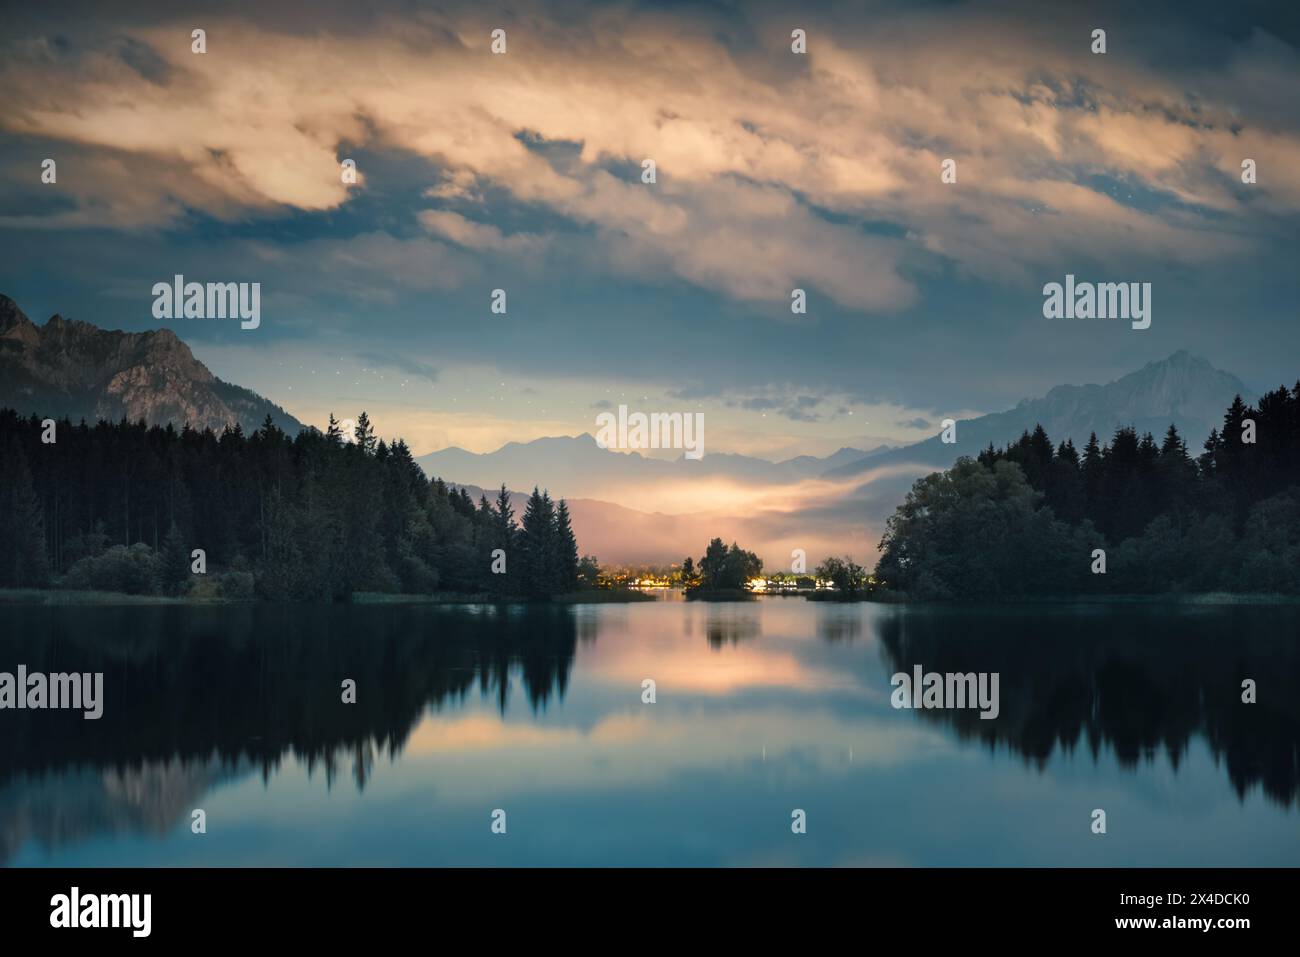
(775, 170)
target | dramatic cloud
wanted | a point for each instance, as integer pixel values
(774, 171)
(770, 166)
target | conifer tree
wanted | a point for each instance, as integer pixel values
(537, 534)
(567, 550)
(364, 433)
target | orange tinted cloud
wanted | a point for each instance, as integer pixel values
(750, 149)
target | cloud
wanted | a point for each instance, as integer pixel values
(481, 756)
(476, 236)
(422, 370)
(797, 410)
(372, 267)
(769, 165)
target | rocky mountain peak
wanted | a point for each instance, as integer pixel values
(76, 369)
(11, 317)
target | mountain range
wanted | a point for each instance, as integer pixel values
(76, 369)
(580, 467)
(631, 509)
(1183, 390)
(626, 507)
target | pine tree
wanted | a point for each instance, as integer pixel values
(1232, 428)
(1093, 468)
(1210, 458)
(269, 430)
(550, 549)
(537, 536)
(502, 533)
(567, 549)
(1177, 473)
(1063, 484)
(1038, 457)
(364, 433)
(503, 519)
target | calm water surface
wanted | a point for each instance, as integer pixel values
(763, 707)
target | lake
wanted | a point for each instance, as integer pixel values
(761, 708)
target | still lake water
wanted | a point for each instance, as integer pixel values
(763, 707)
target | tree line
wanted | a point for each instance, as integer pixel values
(1028, 518)
(123, 506)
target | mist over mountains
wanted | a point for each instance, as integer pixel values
(626, 507)
(1182, 389)
(580, 467)
(834, 504)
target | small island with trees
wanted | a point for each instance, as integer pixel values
(728, 573)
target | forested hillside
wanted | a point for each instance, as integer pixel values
(1026, 519)
(122, 507)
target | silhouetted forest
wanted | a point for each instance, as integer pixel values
(206, 695)
(1144, 681)
(253, 686)
(1026, 519)
(122, 506)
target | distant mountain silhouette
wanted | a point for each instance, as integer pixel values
(1182, 389)
(576, 467)
(75, 369)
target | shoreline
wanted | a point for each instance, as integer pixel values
(54, 596)
(601, 596)
(597, 596)
(1208, 599)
